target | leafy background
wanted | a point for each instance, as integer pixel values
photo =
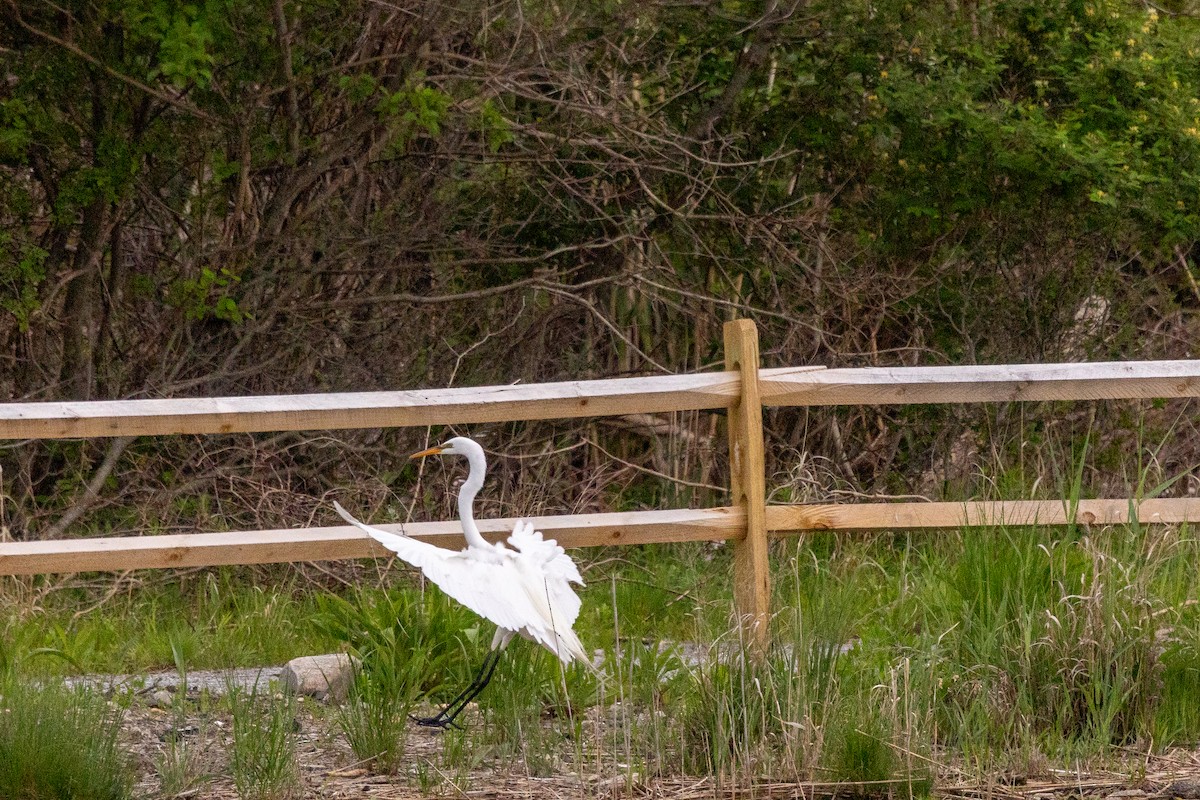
(236, 197)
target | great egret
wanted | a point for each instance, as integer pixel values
(524, 591)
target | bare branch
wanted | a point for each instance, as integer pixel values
(92, 491)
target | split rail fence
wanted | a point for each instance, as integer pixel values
(743, 389)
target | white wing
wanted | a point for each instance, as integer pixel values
(547, 572)
(419, 554)
(557, 607)
(516, 591)
(485, 588)
(547, 552)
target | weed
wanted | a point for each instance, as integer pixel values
(861, 751)
(263, 756)
(409, 644)
(375, 716)
(530, 688)
(401, 626)
(180, 768)
(180, 765)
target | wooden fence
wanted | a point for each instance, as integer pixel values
(743, 390)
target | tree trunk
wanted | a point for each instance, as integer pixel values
(81, 315)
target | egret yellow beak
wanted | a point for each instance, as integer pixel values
(433, 451)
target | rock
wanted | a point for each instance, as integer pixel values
(1186, 789)
(161, 699)
(177, 733)
(326, 677)
(618, 784)
(214, 681)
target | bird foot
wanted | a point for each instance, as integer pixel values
(441, 722)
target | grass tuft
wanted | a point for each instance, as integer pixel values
(375, 716)
(263, 756)
(58, 744)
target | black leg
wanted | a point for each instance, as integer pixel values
(445, 717)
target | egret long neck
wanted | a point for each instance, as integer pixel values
(466, 500)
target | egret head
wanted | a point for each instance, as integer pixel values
(458, 446)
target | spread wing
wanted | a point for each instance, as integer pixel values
(547, 573)
(546, 552)
(526, 591)
(556, 606)
(483, 587)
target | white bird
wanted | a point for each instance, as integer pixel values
(524, 590)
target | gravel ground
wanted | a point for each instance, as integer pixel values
(153, 730)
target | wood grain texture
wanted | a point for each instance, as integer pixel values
(635, 527)
(569, 399)
(324, 544)
(747, 485)
(62, 420)
(977, 384)
(907, 516)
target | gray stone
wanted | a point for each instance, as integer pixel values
(217, 682)
(1185, 788)
(161, 699)
(326, 677)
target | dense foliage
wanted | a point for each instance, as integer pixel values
(238, 196)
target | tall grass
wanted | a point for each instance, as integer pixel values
(180, 764)
(409, 645)
(533, 709)
(57, 744)
(796, 713)
(216, 620)
(1058, 644)
(394, 627)
(375, 716)
(263, 756)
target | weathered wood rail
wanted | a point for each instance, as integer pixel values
(725, 523)
(743, 390)
(789, 386)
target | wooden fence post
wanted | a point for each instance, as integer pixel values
(748, 484)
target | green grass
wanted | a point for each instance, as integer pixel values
(263, 756)
(375, 718)
(405, 644)
(1005, 647)
(179, 767)
(533, 709)
(217, 620)
(57, 744)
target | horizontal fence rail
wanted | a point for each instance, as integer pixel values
(340, 410)
(910, 516)
(119, 553)
(790, 386)
(1112, 380)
